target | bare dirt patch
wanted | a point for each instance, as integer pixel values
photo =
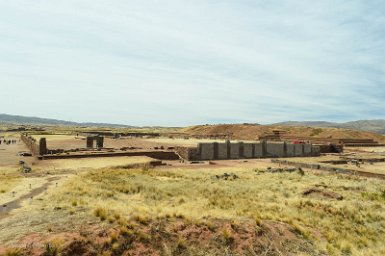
(323, 193)
(9, 156)
(175, 237)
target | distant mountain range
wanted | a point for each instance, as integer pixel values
(377, 126)
(14, 119)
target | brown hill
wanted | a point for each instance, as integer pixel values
(254, 131)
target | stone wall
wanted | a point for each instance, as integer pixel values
(190, 153)
(235, 150)
(275, 149)
(206, 151)
(244, 150)
(290, 150)
(248, 150)
(35, 148)
(307, 148)
(223, 151)
(298, 149)
(315, 151)
(258, 150)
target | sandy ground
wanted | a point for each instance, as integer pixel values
(9, 153)
(63, 141)
(9, 158)
(70, 142)
(380, 150)
(76, 164)
(249, 163)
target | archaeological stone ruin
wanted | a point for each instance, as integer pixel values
(36, 148)
(91, 139)
(203, 151)
(244, 150)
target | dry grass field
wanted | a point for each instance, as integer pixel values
(17, 184)
(7, 183)
(195, 211)
(122, 206)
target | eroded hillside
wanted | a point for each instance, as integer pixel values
(254, 131)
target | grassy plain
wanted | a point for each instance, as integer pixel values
(125, 198)
(104, 207)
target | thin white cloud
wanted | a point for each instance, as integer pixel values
(188, 62)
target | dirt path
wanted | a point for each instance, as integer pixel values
(15, 204)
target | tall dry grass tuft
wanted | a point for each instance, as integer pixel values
(354, 224)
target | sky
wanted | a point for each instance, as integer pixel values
(176, 63)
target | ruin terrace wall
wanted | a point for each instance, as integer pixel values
(275, 149)
(235, 152)
(290, 149)
(206, 150)
(258, 150)
(223, 151)
(307, 149)
(316, 150)
(35, 147)
(298, 149)
(189, 153)
(246, 150)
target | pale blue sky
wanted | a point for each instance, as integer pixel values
(188, 62)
